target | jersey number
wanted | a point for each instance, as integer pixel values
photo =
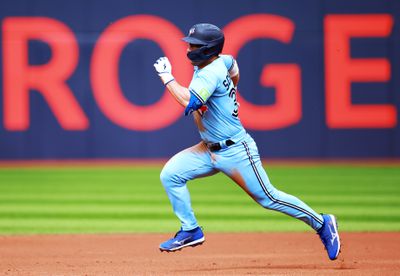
(232, 94)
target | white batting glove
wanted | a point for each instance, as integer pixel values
(164, 70)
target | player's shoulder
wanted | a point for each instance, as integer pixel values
(217, 68)
(228, 61)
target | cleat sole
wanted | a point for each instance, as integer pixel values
(191, 244)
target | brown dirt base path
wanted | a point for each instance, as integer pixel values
(221, 254)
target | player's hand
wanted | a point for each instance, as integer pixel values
(164, 69)
(163, 66)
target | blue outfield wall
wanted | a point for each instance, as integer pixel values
(77, 77)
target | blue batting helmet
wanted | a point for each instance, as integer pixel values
(210, 38)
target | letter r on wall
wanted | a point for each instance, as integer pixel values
(48, 79)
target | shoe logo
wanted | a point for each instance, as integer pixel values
(333, 234)
(181, 242)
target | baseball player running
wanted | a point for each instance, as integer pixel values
(225, 147)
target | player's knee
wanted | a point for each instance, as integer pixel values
(168, 176)
(164, 176)
(268, 204)
(269, 200)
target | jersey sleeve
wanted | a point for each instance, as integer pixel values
(228, 61)
(203, 86)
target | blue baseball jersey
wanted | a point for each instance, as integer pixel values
(214, 88)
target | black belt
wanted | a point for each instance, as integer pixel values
(217, 146)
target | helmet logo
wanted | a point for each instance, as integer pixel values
(191, 31)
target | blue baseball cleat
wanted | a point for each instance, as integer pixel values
(183, 239)
(330, 236)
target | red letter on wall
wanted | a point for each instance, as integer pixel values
(104, 72)
(48, 79)
(341, 70)
(286, 78)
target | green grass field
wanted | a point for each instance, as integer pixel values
(132, 199)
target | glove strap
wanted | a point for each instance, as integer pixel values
(166, 78)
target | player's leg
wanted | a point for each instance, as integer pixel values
(242, 163)
(188, 164)
(245, 168)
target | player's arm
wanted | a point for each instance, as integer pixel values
(179, 92)
(234, 73)
(232, 66)
(190, 101)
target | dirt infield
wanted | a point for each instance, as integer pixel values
(221, 254)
